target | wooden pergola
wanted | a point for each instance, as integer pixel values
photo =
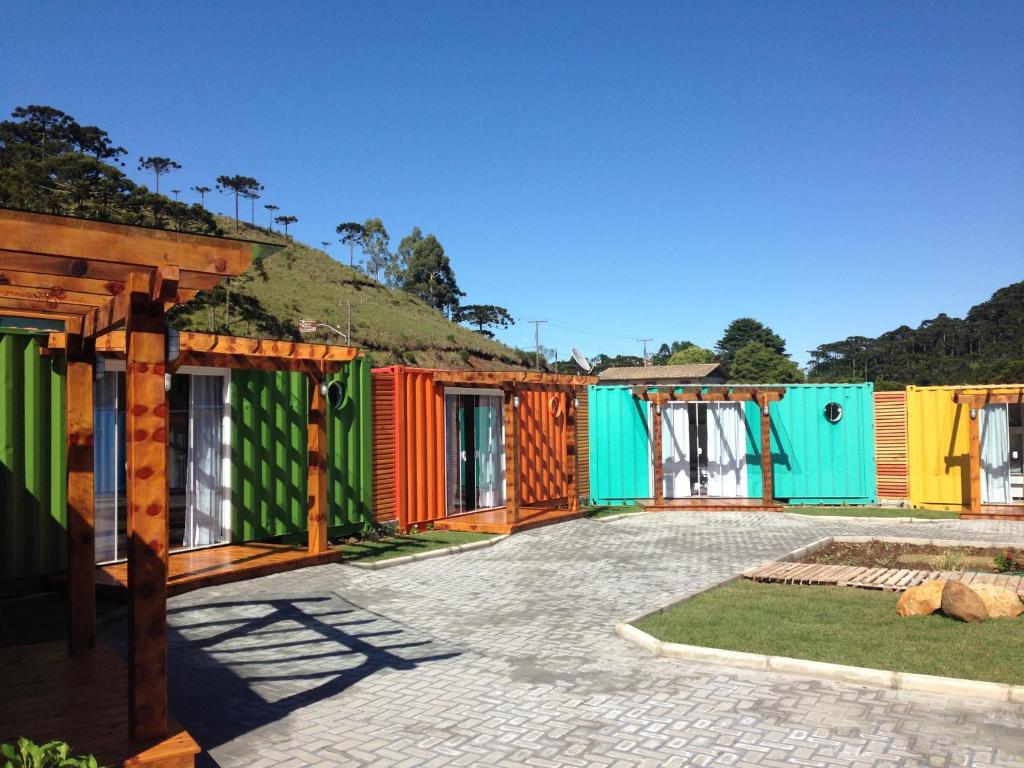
(659, 396)
(976, 398)
(511, 383)
(112, 286)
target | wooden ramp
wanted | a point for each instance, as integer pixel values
(500, 521)
(218, 565)
(706, 504)
(82, 700)
(888, 579)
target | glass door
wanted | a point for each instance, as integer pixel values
(704, 450)
(109, 469)
(474, 452)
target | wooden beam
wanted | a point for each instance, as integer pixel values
(35, 308)
(974, 460)
(697, 394)
(317, 503)
(571, 462)
(56, 283)
(979, 400)
(163, 285)
(767, 466)
(65, 268)
(498, 379)
(146, 430)
(49, 235)
(511, 454)
(81, 515)
(656, 452)
(54, 296)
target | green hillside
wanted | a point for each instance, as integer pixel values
(301, 282)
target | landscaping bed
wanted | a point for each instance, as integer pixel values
(371, 549)
(879, 512)
(841, 626)
(885, 554)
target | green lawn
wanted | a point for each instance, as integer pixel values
(924, 514)
(843, 625)
(411, 544)
(599, 512)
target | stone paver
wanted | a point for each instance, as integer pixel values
(507, 657)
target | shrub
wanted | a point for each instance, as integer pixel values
(1005, 562)
(53, 754)
(952, 560)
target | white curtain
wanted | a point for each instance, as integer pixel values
(675, 449)
(490, 452)
(995, 454)
(727, 450)
(204, 523)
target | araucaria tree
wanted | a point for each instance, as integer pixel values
(159, 166)
(271, 208)
(426, 272)
(202, 194)
(351, 233)
(239, 186)
(284, 221)
(482, 315)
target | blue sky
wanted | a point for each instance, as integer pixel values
(623, 170)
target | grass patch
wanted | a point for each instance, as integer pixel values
(599, 512)
(924, 514)
(367, 551)
(842, 625)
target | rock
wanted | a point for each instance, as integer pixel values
(961, 602)
(921, 600)
(1000, 603)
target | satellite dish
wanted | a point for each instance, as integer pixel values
(581, 360)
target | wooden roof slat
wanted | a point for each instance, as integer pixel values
(48, 268)
(49, 235)
(505, 378)
(106, 288)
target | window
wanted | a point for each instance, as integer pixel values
(833, 413)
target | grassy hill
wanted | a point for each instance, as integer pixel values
(302, 282)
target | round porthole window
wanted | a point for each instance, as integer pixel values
(833, 413)
(555, 404)
(336, 394)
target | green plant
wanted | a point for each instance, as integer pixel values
(1005, 562)
(52, 754)
(951, 560)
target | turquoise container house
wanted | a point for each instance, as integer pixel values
(822, 445)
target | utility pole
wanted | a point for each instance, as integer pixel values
(644, 342)
(536, 340)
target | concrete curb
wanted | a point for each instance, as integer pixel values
(613, 518)
(395, 561)
(840, 673)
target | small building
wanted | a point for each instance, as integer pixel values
(966, 449)
(658, 375)
(478, 451)
(822, 446)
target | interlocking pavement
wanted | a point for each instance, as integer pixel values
(506, 656)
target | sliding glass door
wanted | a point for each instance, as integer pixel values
(704, 450)
(474, 451)
(196, 457)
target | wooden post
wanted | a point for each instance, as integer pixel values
(80, 504)
(146, 430)
(511, 454)
(572, 460)
(767, 480)
(317, 502)
(656, 450)
(974, 457)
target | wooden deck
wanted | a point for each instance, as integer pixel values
(706, 504)
(218, 565)
(499, 521)
(995, 512)
(82, 700)
(888, 579)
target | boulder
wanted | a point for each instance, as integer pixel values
(961, 602)
(921, 600)
(1000, 603)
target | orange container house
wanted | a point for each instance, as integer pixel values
(492, 452)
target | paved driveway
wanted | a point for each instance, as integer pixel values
(506, 657)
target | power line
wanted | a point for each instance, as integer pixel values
(644, 341)
(536, 337)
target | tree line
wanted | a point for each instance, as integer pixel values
(50, 162)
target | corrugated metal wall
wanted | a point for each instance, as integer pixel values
(543, 463)
(891, 464)
(938, 448)
(620, 446)
(33, 469)
(269, 459)
(814, 461)
(583, 446)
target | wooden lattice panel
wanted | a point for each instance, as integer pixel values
(891, 445)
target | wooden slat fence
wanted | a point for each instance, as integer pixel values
(891, 445)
